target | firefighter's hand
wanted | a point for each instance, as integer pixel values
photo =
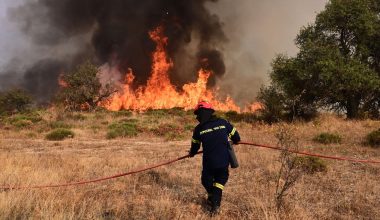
(191, 154)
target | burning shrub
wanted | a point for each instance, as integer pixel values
(328, 138)
(373, 138)
(121, 129)
(81, 89)
(15, 100)
(59, 134)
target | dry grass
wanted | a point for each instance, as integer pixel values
(345, 191)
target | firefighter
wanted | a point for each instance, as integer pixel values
(213, 133)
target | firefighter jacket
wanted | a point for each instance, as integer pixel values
(214, 135)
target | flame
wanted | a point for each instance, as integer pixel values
(61, 82)
(159, 92)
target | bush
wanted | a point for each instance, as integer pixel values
(59, 134)
(24, 120)
(121, 129)
(273, 104)
(240, 117)
(59, 124)
(328, 138)
(22, 123)
(373, 138)
(310, 165)
(82, 89)
(169, 131)
(15, 100)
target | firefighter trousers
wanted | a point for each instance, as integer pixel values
(214, 180)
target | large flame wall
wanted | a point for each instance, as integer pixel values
(160, 93)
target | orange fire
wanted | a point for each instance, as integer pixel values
(160, 93)
(61, 82)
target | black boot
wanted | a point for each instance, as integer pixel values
(209, 200)
(215, 210)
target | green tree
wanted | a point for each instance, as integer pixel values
(82, 89)
(337, 66)
(15, 100)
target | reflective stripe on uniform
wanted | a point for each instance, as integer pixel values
(232, 133)
(195, 141)
(218, 185)
(212, 129)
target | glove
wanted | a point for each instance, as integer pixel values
(191, 154)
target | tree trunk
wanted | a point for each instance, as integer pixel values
(352, 107)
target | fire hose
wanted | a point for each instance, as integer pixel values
(4, 188)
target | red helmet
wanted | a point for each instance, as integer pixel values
(203, 104)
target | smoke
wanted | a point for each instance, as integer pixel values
(257, 31)
(114, 32)
(238, 39)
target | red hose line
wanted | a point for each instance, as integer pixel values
(96, 180)
(178, 159)
(312, 154)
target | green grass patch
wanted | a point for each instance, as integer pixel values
(373, 138)
(165, 112)
(76, 117)
(310, 165)
(59, 134)
(328, 138)
(33, 117)
(189, 127)
(169, 131)
(122, 129)
(129, 120)
(22, 123)
(177, 111)
(95, 128)
(23, 120)
(59, 124)
(158, 113)
(122, 113)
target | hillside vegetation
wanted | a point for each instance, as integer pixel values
(328, 190)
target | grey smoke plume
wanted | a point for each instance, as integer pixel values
(115, 31)
(257, 30)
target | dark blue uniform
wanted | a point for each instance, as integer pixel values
(214, 135)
